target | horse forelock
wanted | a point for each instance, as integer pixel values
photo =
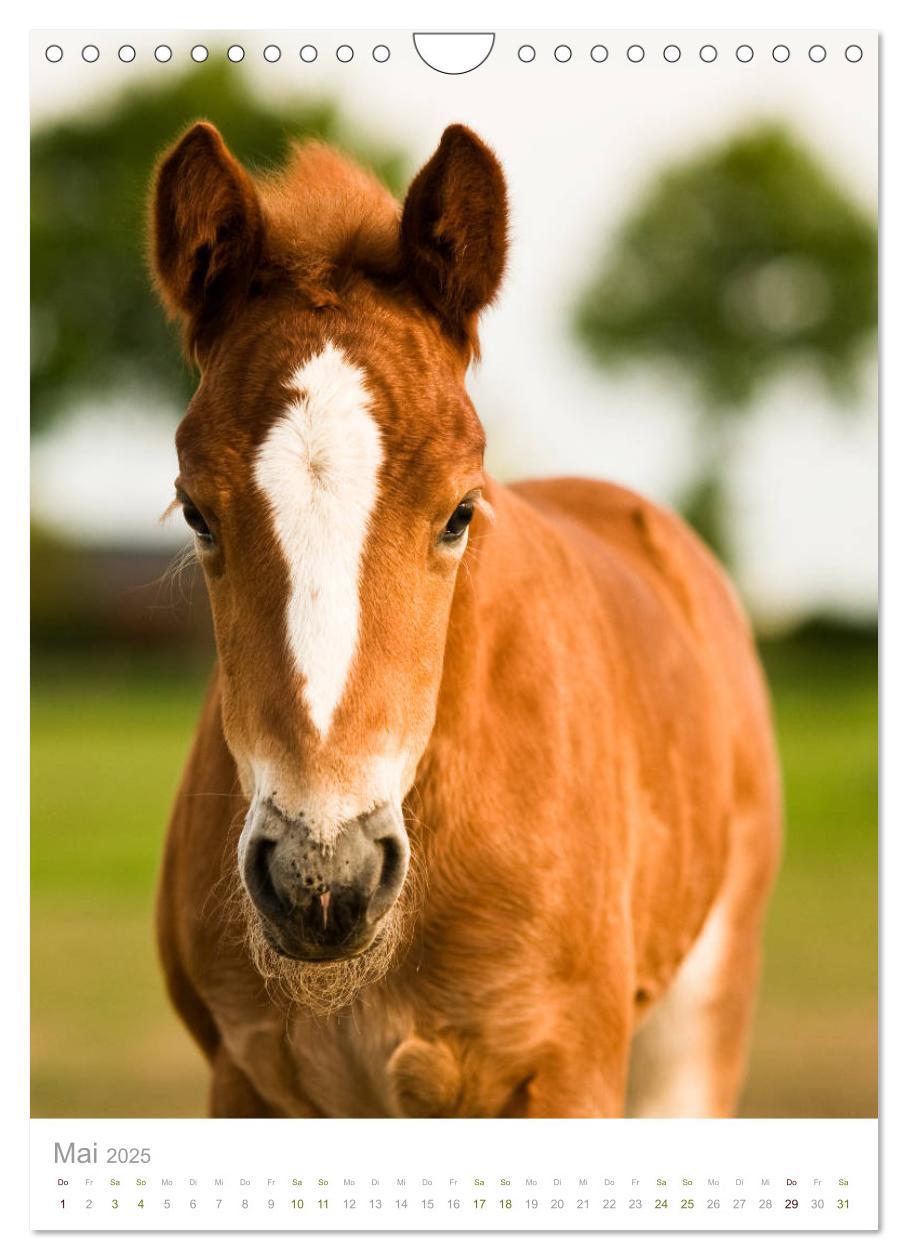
(323, 212)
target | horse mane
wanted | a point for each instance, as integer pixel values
(325, 215)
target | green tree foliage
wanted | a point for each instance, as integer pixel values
(96, 325)
(735, 265)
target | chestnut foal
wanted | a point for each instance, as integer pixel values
(483, 809)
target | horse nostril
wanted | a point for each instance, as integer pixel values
(395, 856)
(393, 860)
(259, 878)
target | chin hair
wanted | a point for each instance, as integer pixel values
(325, 988)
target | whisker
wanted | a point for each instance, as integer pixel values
(172, 578)
(323, 989)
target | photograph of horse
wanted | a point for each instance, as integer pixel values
(483, 810)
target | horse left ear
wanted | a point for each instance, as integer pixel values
(454, 230)
(206, 232)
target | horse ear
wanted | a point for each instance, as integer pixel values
(206, 231)
(454, 229)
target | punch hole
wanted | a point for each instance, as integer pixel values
(90, 53)
(817, 53)
(381, 52)
(163, 53)
(308, 53)
(54, 53)
(853, 53)
(236, 52)
(454, 52)
(127, 53)
(781, 52)
(526, 53)
(671, 52)
(599, 53)
(271, 53)
(744, 53)
(635, 53)
(708, 53)
(344, 53)
(199, 52)
(562, 53)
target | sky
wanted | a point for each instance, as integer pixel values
(579, 141)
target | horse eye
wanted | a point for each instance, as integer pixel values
(197, 523)
(458, 522)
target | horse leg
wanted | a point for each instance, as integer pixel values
(232, 1095)
(586, 1077)
(689, 1056)
(572, 1094)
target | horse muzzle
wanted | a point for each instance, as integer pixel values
(319, 902)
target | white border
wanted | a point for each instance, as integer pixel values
(894, 815)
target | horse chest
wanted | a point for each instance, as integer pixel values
(335, 1066)
(368, 1062)
(341, 1064)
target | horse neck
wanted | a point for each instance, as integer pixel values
(493, 615)
(481, 597)
(518, 553)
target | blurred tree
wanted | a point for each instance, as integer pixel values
(95, 323)
(736, 265)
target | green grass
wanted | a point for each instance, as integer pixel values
(106, 755)
(815, 1041)
(107, 749)
(105, 763)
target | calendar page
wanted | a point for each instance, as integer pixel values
(454, 630)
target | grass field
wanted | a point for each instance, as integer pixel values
(106, 754)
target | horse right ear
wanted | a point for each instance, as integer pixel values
(454, 230)
(206, 232)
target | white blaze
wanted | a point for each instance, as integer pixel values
(318, 467)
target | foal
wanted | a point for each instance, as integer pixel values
(484, 794)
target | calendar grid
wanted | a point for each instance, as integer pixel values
(474, 1175)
